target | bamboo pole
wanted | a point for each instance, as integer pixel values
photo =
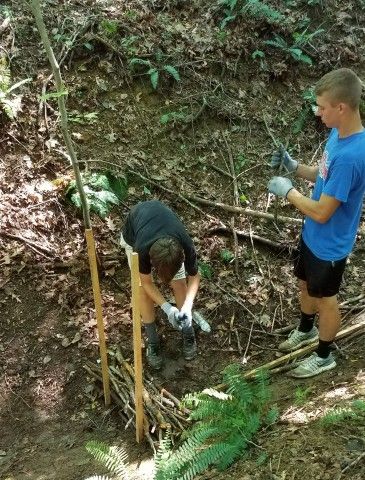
(99, 313)
(308, 348)
(137, 347)
(357, 327)
(60, 95)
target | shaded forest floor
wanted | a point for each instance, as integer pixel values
(171, 143)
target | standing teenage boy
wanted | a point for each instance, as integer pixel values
(154, 231)
(332, 216)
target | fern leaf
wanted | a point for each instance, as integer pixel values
(204, 459)
(113, 458)
(139, 61)
(261, 10)
(172, 71)
(154, 74)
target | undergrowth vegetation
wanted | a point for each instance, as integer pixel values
(224, 424)
(103, 191)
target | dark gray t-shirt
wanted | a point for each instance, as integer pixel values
(151, 220)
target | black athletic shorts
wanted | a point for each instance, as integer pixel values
(323, 277)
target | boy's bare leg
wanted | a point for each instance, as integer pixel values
(307, 304)
(147, 307)
(329, 318)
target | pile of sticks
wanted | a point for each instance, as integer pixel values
(162, 410)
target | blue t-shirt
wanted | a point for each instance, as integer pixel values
(342, 176)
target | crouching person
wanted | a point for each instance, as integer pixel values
(154, 231)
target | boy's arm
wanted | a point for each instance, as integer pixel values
(192, 290)
(151, 290)
(307, 172)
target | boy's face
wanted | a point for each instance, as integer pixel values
(328, 110)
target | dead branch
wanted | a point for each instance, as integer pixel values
(358, 327)
(240, 233)
(28, 242)
(244, 211)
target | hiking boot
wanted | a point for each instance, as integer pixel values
(189, 346)
(154, 357)
(313, 365)
(298, 339)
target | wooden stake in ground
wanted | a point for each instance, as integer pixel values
(61, 93)
(137, 347)
(99, 312)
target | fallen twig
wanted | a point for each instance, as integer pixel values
(159, 413)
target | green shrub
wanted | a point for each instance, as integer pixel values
(103, 191)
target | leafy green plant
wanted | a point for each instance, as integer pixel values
(256, 9)
(301, 395)
(128, 45)
(109, 27)
(226, 255)
(239, 162)
(309, 106)
(9, 102)
(174, 116)
(260, 55)
(292, 50)
(205, 270)
(103, 191)
(113, 458)
(354, 413)
(154, 69)
(301, 40)
(82, 118)
(225, 425)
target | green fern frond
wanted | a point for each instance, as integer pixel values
(154, 74)
(204, 458)
(139, 61)
(113, 458)
(262, 11)
(172, 71)
(226, 423)
(271, 416)
(163, 451)
(232, 451)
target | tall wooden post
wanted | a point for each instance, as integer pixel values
(137, 347)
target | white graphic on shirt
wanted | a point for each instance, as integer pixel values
(324, 165)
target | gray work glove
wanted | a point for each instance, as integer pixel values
(282, 157)
(172, 315)
(185, 317)
(280, 186)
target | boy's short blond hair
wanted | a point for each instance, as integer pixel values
(342, 85)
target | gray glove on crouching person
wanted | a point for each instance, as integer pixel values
(172, 315)
(280, 186)
(282, 158)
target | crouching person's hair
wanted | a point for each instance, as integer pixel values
(166, 256)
